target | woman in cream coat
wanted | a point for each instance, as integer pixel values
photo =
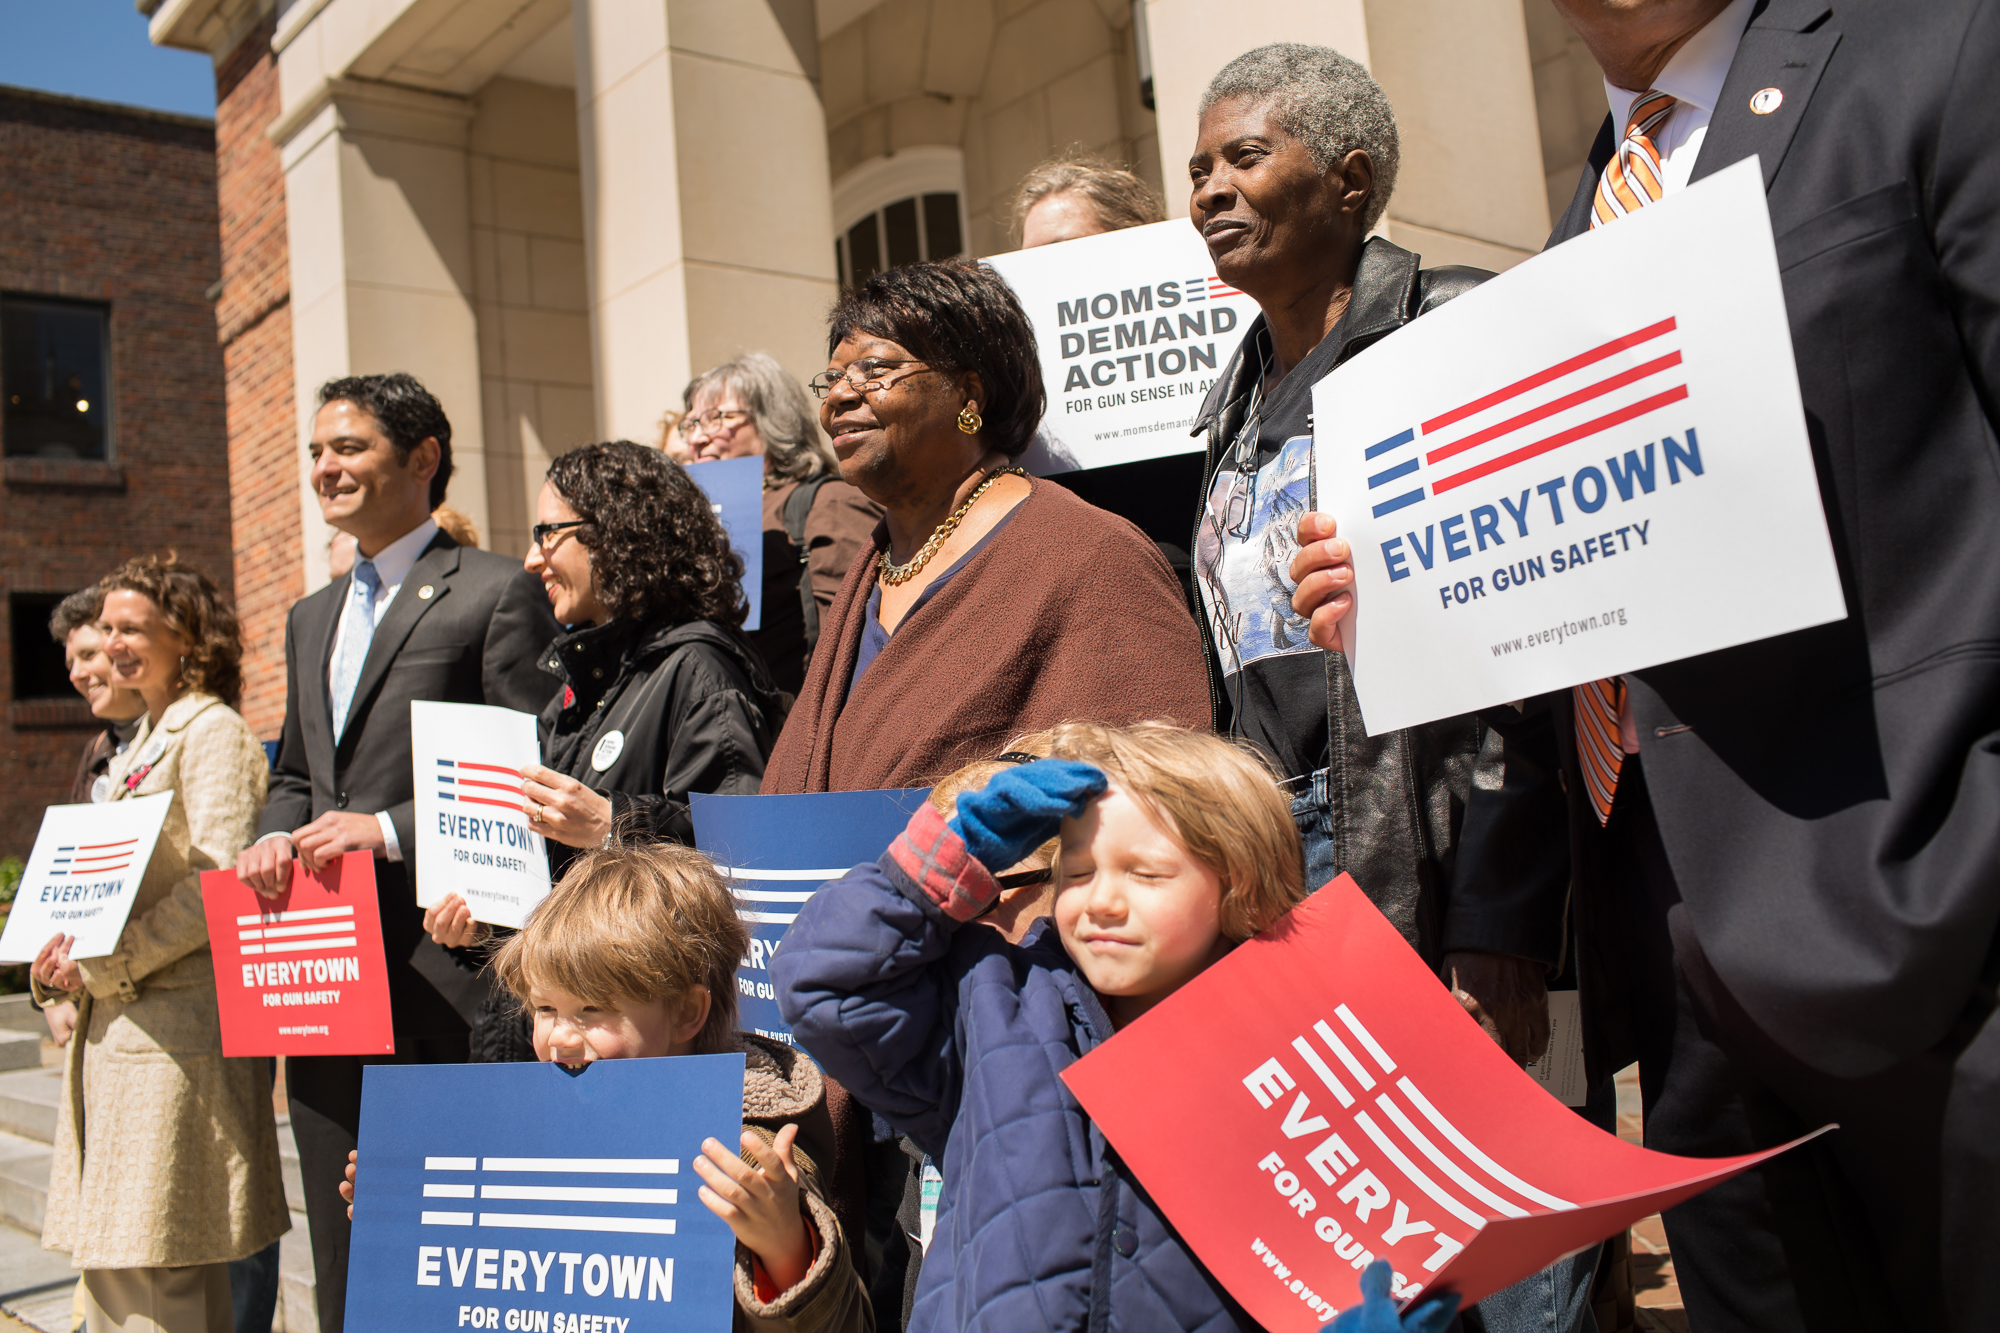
(166, 1154)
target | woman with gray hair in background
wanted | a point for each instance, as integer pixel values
(1294, 161)
(814, 523)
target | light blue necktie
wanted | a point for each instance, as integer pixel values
(354, 645)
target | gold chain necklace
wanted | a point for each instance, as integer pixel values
(894, 574)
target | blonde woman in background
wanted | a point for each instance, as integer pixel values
(166, 1154)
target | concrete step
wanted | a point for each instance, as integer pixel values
(297, 1312)
(26, 1268)
(19, 1014)
(28, 1102)
(24, 1181)
(21, 1050)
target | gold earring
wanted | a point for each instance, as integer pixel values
(969, 420)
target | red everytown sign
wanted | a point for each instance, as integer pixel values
(303, 973)
(1333, 1105)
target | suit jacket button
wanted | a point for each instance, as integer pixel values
(340, 801)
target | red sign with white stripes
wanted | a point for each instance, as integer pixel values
(303, 973)
(1329, 1104)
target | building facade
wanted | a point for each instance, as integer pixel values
(113, 441)
(553, 212)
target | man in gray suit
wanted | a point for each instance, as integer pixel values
(418, 617)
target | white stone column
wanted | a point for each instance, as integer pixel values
(381, 263)
(1192, 40)
(707, 209)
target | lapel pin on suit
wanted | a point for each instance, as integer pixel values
(425, 593)
(1766, 100)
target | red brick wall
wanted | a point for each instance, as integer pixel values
(254, 324)
(109, 204)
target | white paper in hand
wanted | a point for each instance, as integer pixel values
(473, 837)
(1594, 463)
(83, 876)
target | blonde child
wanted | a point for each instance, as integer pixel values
(1175, 847)
(633, 955)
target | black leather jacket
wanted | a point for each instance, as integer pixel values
(1397, 799)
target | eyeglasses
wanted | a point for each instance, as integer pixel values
(863, 376)
(711, 423)
(541, 532)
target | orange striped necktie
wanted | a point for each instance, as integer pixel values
(1631, 180)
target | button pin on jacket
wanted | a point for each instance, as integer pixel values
(1766, 100)
(425, 593)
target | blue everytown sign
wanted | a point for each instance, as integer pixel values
(525, 1197)
(777, 851)
(735, 486)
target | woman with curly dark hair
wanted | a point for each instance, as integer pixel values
(166, 1154)
(663, 695)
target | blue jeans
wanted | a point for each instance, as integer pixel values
(1313, 816)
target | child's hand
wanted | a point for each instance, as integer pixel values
(449, 920)
(347, 1186)
(760, 1203)
(1377, 1311)
(1022, 808)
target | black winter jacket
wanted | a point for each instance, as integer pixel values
(650, 714)
(692, 710)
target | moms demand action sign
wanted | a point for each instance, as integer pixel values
(302, 973)
(473, 837)
(83, 876)
(1133, 327)
(527, 1197)
(1594, 463)
(1333, 1105)
(776, 852)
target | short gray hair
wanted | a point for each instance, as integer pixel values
(75, 611)
(777, 404)
(1329, 101)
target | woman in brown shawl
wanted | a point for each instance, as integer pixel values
(989, 602)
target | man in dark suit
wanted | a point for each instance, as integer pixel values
(418, 617)
(1786, 894)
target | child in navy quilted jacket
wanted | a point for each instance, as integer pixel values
(1175, 847)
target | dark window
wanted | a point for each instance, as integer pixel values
(54, 375)
(39, 671)
(941, 224)
(917, 228)
(864, 250)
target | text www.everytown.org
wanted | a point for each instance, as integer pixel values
(1558, 634)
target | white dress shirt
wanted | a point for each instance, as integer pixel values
(392, 565)
(1693, 78)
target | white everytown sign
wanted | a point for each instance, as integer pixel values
(1132, 327)
(83, 875)
(472, 823)
(1594, 463)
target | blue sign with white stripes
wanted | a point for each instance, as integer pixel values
(526, 1197)
(776, 851)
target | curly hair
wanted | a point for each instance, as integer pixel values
(656, 547)
(195, 609)
(407, 414)
(956, 316)
(77, 610)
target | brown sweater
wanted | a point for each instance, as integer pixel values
(1067, 614)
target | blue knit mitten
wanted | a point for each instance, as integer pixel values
(1377, 1311)
(1020, 809)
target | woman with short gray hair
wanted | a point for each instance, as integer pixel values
(1294, 162)
(814, 523)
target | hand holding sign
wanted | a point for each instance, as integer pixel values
(474, 835)
(82, 878)
(1348, 1110)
